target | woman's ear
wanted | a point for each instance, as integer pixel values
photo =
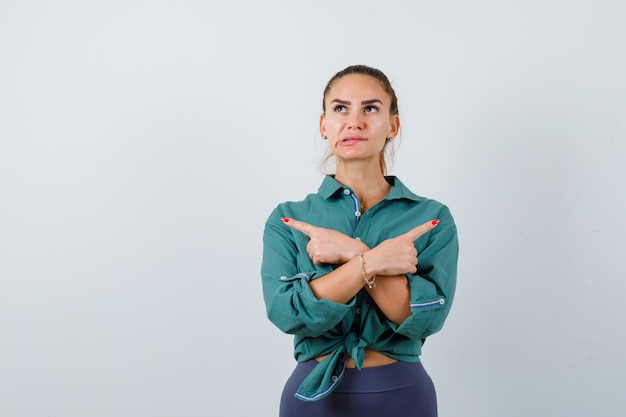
(395, 125)
(323, 125)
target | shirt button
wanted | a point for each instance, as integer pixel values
(358, 310)
(358, 238)
(357, 213)
(283, 278)
(346, 191)
(334, 378)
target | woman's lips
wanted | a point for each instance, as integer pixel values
(352, 139)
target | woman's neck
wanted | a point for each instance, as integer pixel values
(369, 185)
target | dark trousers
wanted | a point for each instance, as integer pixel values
(402, 389)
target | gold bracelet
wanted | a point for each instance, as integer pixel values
(371, 282)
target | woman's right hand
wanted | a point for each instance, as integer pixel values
(327, 246)
(397, 256)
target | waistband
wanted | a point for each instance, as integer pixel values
(375, 379)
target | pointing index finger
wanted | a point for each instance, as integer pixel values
(418, 231)
(298, 225)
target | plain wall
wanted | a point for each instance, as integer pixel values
(144, 143)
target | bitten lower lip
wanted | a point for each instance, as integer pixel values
(353, 138)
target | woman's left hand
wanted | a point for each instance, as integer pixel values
(327, 246)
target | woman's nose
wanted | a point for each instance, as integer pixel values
(356, 121)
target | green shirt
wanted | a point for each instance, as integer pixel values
(325, 327)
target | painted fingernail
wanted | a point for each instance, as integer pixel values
(284, 219)
(435, 222)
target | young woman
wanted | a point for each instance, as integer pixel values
(360, 272)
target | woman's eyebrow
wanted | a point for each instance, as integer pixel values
(340, 101)
(370, 101)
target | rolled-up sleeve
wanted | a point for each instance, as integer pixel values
(289, 300)
(433, 286)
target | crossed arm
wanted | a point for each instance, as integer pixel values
(389, 261)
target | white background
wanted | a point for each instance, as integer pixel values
(144, 143)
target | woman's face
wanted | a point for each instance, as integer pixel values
(357, 122)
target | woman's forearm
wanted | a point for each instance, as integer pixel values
(341, 284)
(392, 296)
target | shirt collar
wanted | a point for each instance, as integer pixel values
(330, 187)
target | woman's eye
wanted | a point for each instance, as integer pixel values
(340, 109)
(371, 109)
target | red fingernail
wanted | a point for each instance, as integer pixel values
(435, 222)
(284, 219)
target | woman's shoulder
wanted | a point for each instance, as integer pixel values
(293, 208)
(403, 191)
(417, 201)
(313, 200)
